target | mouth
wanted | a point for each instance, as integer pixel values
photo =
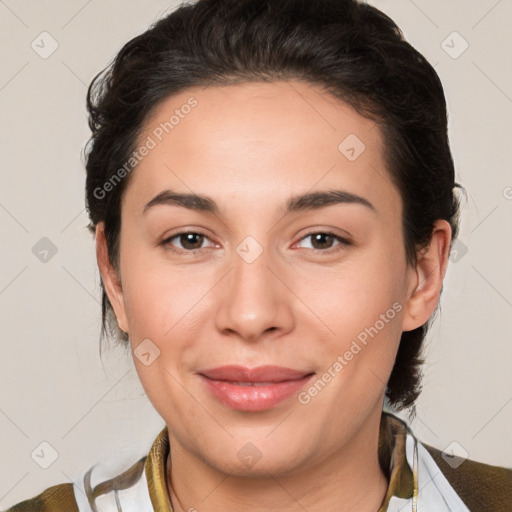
(255, 389)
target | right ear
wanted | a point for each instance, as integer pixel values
(111, 279)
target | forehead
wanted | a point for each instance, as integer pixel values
(266, 141)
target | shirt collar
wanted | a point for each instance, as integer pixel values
(392, 457)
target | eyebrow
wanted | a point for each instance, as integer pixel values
(309, 201)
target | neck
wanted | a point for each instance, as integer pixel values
(348, 479)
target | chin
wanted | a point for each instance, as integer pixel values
(262, 466)
(256, 458)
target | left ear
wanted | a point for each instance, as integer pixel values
(427, 277)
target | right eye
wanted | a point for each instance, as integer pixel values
(191, 241)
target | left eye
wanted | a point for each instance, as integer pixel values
(322, 239)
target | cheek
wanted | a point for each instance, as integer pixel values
(156, 302)
(145, 304)
(355, 294)
(361, 304)
(171, 306)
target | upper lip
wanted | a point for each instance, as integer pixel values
(236, 373)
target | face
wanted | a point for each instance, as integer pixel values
(251, 274)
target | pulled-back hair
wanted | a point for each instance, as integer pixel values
(350, 49)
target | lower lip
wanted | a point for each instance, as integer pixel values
(254, 398)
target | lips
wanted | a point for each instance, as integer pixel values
(255, 389)
(261, 374)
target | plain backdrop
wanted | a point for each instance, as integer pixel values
(55, 389)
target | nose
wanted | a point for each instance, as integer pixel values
(255, 300)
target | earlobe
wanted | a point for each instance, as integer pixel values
(110, 277)
(427, 278)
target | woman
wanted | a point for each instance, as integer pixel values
(272, 194)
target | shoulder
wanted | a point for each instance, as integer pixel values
(58, 498)
(135, 489)
(128, 487)
(481, 486)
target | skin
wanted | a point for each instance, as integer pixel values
(250, 147)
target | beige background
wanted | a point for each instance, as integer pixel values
(54, 387)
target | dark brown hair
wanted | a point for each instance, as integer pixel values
(351, 49)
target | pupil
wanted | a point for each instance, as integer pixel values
(187, 240)
(320, 236)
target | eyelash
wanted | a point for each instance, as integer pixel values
(343, 242)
